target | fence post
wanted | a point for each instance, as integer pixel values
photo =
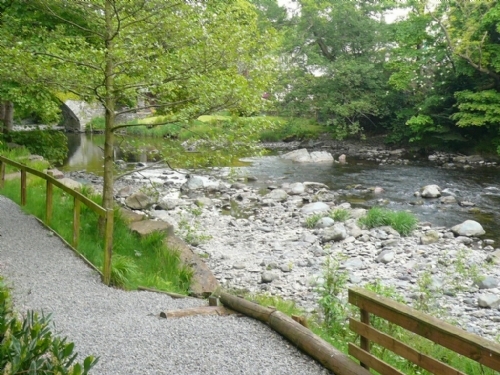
(76, 222)
(2, 174)
(48, 203)
(23, 187)
(108, 247)
(364, 342)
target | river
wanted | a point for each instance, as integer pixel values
(480, 186)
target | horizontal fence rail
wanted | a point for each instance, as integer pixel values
(469, 345)
(78, 198)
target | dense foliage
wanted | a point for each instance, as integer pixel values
(51, 144)
(429, 76)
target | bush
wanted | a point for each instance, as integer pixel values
(28, 345)
(403, 222)
(52, 145)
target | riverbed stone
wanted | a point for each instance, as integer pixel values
(168, 203)
(297, 188)
(431, 191)
(386, 256)
(488, 282)
(354, 264)
(268, 277)
(491, 301)
(429, 237)
(278, 195)
(325, 222)
(468, 228)
(203, 202)
(138, 201)
(449, 199)
(315, 207)
(494, 257)
(335, 233)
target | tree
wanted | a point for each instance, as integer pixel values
(181, 59)
(334, 63)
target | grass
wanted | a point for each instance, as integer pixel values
(339, 214)
(403, 222)
(312, 220)
(136, 261)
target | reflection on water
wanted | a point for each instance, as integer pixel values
(85, 153)
(480, 186)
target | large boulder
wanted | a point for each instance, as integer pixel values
(468, 228)
(138, 201)
(431, 191)
(315, 207)
(146, 227)
(321, 157)
(203, 283)
(299, 156)
(303, 156)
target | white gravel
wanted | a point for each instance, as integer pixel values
(123, 328)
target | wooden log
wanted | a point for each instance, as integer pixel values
(201, 310)
(331, 358)
(251, 309)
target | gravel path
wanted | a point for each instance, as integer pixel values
(123, 328)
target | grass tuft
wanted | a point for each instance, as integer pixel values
(403, 222)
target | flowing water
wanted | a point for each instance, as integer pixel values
(480, 186)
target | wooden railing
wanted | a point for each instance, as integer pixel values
(78, 198)
(474, 347)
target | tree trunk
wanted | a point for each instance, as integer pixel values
(8, 117)
(2, 115)
(109, 105)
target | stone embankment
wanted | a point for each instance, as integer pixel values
(259, 241)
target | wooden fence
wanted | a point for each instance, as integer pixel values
(474, 347)
(78, 198)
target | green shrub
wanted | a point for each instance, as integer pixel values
(27, 346)
(403, 222)
(52, 145)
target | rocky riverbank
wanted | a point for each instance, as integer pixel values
(258, 240)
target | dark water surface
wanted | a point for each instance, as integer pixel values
(480, 186)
